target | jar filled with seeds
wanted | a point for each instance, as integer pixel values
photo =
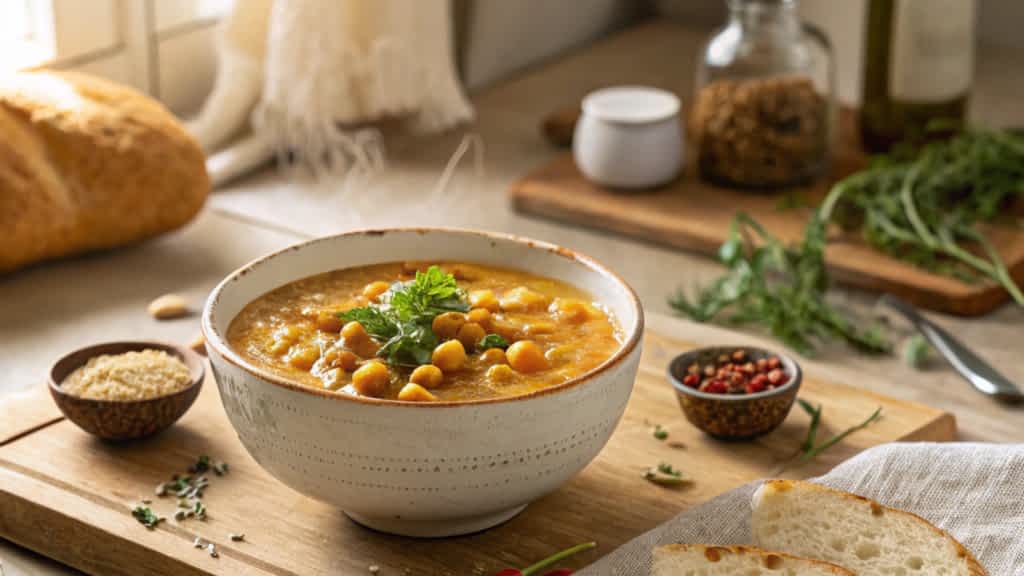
(763, 113)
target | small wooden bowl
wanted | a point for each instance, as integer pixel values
(125, 419)
(734, 416)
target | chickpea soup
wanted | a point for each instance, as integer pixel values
(424, 332)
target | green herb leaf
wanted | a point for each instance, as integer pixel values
(402, 321)
(916, 351)
(493, 341)
(201, 465)
(665, 475)
(660, 433)
(146, 516)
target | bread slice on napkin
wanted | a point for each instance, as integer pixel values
(870, 539)
(701, 560)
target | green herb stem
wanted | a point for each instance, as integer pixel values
(816, 450)
(556, 558)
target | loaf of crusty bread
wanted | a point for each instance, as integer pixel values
(87, 164)
(700, 560)
(872, 540)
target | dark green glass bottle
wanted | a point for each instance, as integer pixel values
(918, 66)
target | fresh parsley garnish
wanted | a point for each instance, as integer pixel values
(402, 321)
(146, 516)
(493, 341)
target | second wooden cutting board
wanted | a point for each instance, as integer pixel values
(694, 215)
(67, 495)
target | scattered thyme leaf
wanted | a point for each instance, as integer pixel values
(146, 516)
(199, 510)
(212, 549)
(202, 465)
(665, 475)
(198, 543)
(237, 537)
(677, 445)
(659, 432)
(220, 468)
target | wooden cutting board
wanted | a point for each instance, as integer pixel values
(695, 215)
(67, 495)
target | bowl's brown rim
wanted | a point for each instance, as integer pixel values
(217, 342)
(794, 381)
(192, 360)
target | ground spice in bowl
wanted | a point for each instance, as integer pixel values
(135, 375)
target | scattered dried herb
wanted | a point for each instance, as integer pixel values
(146, 516)
(237, 537)
(659, 432)
(198, 543)
(677, 445)
(809, 449)
(212, 549)
(665, 475)
(202, 465)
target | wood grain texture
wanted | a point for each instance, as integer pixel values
(67, 495)
(692, 214)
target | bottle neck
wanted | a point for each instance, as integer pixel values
(765, 16)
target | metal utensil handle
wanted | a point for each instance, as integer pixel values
(975, 370)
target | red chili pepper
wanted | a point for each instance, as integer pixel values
(535, 569)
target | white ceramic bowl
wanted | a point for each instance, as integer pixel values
(629, 137)
(422, 469)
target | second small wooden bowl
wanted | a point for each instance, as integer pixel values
(125, 419)
(734, 416)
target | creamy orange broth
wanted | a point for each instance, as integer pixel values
(293, 331)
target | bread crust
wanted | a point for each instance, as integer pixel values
(974, 568)
(87, 164)
(713, 551)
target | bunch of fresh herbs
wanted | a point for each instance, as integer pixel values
(924, 207)
(921, 207)
(780, 288)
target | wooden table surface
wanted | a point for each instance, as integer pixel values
(49, 309)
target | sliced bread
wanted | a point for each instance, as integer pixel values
(700, 560)
(872, 540)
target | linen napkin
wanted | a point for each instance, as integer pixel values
(973, 491)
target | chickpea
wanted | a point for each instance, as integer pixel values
(523, 299)
(303, 356)
(427, 376)
(328, 321)
(484, 299)
(284, 337)
(333, 378)
(500, 373)
(354, 334)
(413, 392)
(481, 316)
(371, 379)
(493, 356)
(570, 310)
(526, 357)
(346, 360)
(373, 290)
(367, 348)
(449, 356)
(537, 328)
(447, 325)
(470, 335)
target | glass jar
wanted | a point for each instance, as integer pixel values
(764, 113)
